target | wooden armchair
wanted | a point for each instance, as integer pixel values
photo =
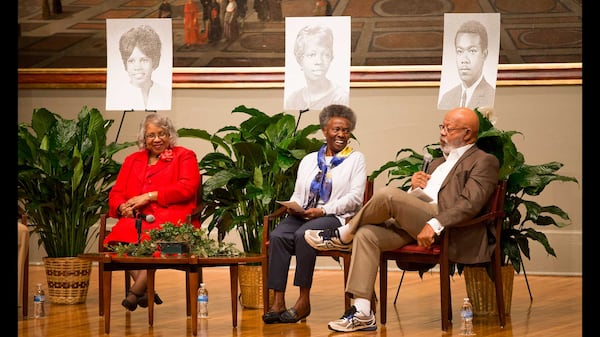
(412, 257)
(103, 231)
(276, 216)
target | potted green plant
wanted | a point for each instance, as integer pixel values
(65, 171)
(523, 181)
(252, 166)
(174, 239)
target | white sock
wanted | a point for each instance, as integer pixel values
(345, 234)
(363, 306)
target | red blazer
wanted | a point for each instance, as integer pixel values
(176, 181)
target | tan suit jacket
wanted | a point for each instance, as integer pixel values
(462, 195)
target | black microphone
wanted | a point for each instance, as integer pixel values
(139, 216)
(146, 217)
(427, 158)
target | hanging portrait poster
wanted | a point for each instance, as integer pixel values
(139, 64)
(470, 60)
(317, 62)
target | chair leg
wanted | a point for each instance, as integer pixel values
(449, 302)
(499, 291)
(127, 282)
(25, 287)
(399, 285)
(100, 289)
(106, 294)
(374, 301)
(346, 259)
(383, 290)
(23, 237)
(265, 294)
(445, 296)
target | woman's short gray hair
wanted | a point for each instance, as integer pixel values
(337, 110)
(161, 121)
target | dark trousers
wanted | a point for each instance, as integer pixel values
(287, 239)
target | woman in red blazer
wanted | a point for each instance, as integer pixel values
(159, 181)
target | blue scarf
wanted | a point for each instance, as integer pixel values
(320, 187)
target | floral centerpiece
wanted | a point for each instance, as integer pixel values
(196, 241)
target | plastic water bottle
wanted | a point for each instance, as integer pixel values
(466, 315)
(202, 301)
(39, 302)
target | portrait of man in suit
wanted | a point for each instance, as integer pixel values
(474, 50)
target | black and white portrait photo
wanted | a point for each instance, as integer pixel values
(139, 64)
(470, 60)
(317, 62)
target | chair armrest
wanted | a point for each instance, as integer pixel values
(277, 214)
(480, 219)
(102, 233)
(281, 211)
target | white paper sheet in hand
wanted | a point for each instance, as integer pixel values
(291, 204)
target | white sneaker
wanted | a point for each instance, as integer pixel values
(352, 320)
(326, 239)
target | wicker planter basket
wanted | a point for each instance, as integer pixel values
(250, 278)
(482, 292)
(68, 279)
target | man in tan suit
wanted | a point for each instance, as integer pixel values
(459, 184)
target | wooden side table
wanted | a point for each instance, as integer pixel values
(191, 264)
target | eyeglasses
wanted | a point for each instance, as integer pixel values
(161, 135)
(446, 129)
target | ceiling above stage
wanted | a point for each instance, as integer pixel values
(384, 32)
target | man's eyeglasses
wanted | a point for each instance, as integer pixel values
(446, 129)
(161, 135)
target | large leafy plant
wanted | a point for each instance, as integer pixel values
(523, 181)
(252, 166)
(65, 171)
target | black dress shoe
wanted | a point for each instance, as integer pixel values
(291, 316)
(143, 300)
(131, 306)
(272, 316)
(128, 305)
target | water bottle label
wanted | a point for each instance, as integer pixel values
(39, 298)
(466, 314)
(202, 298)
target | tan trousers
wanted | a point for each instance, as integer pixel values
(391, 219)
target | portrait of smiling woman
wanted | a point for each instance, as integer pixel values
(140, 51)
(322, 53)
